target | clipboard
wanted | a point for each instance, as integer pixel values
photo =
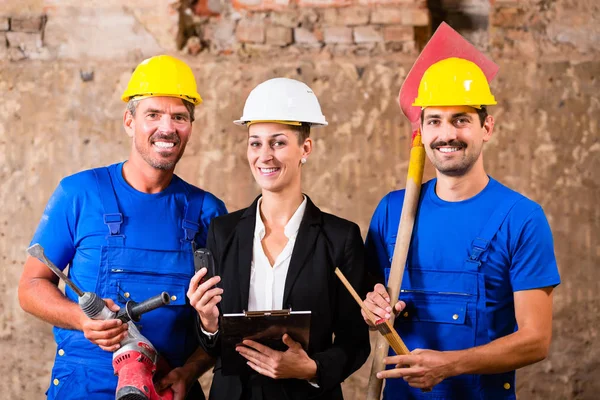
(265, 327)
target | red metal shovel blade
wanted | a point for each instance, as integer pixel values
(444, 43)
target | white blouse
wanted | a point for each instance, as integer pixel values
(267, 282)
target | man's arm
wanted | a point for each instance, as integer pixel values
(38, 289)
(528, 345)
(39, 295)
(199, 362)
(181, 379)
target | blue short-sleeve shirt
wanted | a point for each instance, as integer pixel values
(520, 256)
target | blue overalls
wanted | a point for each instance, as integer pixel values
(445, 311)
(81, 369)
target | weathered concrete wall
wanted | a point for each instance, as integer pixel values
(53, 123)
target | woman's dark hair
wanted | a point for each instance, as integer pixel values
(303, 132)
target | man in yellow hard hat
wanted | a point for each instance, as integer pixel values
(127, 232)
(476, 299)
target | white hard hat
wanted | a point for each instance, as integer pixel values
(282, 99)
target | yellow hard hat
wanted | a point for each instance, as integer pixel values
(163, 76)
(454, 82)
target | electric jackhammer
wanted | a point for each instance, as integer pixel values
(135, 362)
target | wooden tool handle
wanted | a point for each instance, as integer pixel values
(405, 228)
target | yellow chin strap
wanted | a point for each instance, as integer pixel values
(293, 123)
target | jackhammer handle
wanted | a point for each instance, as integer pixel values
(135, 310)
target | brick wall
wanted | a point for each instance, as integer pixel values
(22, 36)
(282, 27)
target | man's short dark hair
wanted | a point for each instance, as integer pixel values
(482, 112)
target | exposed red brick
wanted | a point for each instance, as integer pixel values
(392, 2)
(208, 7)
(260, 5)
(367, 34)
(309, 17)
(420, 17)
(398, 33)
(348, 16)
(403, 16)
(325, 3)
(330, 16)
(250, 31)
(409, 47)
(393, 46)
(510, 3)
(388, 16)
(337, 34)
(305, 36)
(253, 49)
(279, 35)
(351, 16)
(27, 24)
(4, 24)
(289, 19)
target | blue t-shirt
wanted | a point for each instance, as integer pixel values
(519, 257)
(72, 229)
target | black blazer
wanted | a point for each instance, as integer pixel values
(324, 242)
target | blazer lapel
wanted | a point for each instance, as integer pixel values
(307, 235)
(245, 234)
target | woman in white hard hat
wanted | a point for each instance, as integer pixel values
(279, 253)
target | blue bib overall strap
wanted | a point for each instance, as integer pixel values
(493, 386)
(191, 221)
(112, 217)
(481, 243)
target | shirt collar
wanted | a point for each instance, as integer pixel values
(291, 228)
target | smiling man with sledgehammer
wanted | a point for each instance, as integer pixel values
(476, 299)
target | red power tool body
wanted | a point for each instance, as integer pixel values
(137, 361)
(135, 364)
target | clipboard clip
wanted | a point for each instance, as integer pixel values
(269, 313)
